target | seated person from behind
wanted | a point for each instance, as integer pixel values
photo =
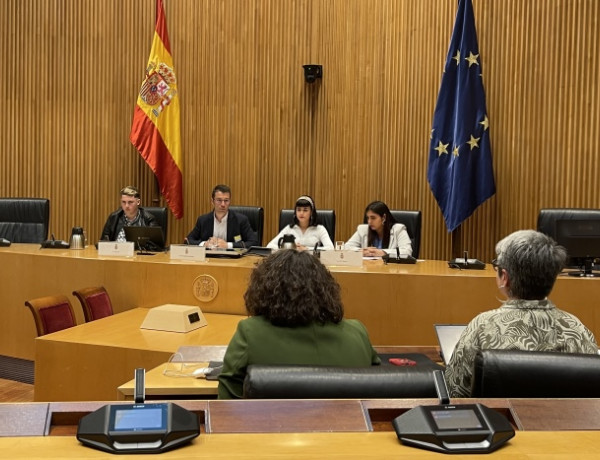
(381, 234)
(296, 317)
(305, 228)
(222, 228)
(130, 215)
(527, 264)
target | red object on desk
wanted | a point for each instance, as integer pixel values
(402, 362)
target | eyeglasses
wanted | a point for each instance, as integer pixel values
(495, 265)
(221, 201)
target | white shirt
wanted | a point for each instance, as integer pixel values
(220, 228)
(311, 236)
(398, 239)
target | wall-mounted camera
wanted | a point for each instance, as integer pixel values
(312, 72)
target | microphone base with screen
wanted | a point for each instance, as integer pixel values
(453, 428)
(138, 428)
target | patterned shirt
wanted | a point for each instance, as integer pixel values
(535, 325)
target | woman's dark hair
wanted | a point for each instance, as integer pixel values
(380, 208)
(304, 201)
(293, 288)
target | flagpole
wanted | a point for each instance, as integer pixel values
(456, 242)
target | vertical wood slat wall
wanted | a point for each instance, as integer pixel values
(71, 72)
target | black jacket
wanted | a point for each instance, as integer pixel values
(109, 233)
(239, 231)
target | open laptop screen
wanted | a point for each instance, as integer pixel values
(448, 335)
(147, 238)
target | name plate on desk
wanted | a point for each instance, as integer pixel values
(343, 258)
(187, 252)
(113, 248)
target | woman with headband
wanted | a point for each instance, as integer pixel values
(305, 228)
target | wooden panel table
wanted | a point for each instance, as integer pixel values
(89, 361)
(398, 303)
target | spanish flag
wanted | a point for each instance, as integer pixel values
(155, 131)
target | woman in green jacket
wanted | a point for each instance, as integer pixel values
(296, 317)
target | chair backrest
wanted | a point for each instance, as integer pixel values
(24, 220)
(547, 218)
(95, 302)
(325, 217)
(51, 314)
(535, 374)
(162, 217)
(412, 222)
(324, 382)
(256, 216)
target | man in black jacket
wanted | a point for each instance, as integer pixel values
(130, 215)
(222, 228)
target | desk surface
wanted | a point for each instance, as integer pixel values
(123, 331)
(525, 445)
(178, 383)
(89, 361)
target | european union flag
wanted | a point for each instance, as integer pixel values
(460, 157)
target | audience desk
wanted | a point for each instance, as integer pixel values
(398, 303)
(89, 361)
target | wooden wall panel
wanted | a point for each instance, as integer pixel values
(71, 71)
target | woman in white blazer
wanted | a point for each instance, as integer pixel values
(381, 234)
(305, 228)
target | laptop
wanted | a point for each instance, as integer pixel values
(448, 335)
(229, 253)
(146, 238)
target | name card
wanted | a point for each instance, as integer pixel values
(115, 249)
(343, 258)
(187, 252)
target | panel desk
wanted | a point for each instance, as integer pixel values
(398, 303)
(89, 361)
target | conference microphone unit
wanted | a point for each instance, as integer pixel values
(55, 244)
(398, 259)
(466, 263)
(4, 242)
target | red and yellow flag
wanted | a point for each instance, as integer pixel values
(155, 131)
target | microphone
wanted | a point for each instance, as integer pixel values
(315, 252)
(440, 387)
(186, 241)
(466, 263)
(52, 236)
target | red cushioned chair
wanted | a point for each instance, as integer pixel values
(51, 314)
(95, 303)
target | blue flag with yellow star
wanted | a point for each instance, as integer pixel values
(460, 157)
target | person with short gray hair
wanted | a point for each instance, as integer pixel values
(527, 264)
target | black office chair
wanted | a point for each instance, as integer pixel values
(547, 218)
(324, 382)
(162, 217)
(325, 217)
(412, 222)
(256, 216)
(535, 374)
(24, 220)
